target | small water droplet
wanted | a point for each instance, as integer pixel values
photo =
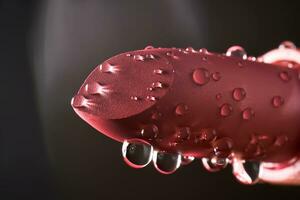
(128, 55)
(78, 101)
(225, 110)
(205, 134)
(222, 147)
(248, 114)
(281, 140)
(156, 116)
(214, 163)
(109, 68)
(277, 101)
(252, 58)
(200, 76)
(135, 98)
(203, 50)
(238, 94)
(237, 51)
(149, 47)
(183, 133)
(150, 131)
(185, 160)
(284, 76)
(287, 45)
(157, 85)
(166, 163)
(216, 76)
(151, 98)
(181, 109)
(159, 71)
(247, 172)
(96, 88)
(218, 96)
(137, 153)
(139, 57)
(190, 49)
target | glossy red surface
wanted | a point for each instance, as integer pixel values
(196, 103)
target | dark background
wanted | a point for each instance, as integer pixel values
(47, 48)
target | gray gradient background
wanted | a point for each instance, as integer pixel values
(49, 47)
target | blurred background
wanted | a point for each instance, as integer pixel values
(47, 48)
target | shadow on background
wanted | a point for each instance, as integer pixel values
(49, 47)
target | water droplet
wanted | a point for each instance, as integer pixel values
(238, 94)
(287, 45)
(205, 134)
(284, 76)
(216, 76)
(218, 96)
(183, 133)
(96, 88)
(109, 68)
(201, 76)
(203, 50)
(181, 109)
(156, 116)
(225, 110)
(157, 85)
(128, 55)
(152, 98)
(222, 147)
(247, 113)
(78, 101)
(277, 101)
(166, 163)
(150, 131)
(135, 98)
(185, 160)
(139, 57)
(137, 153)
(149, 47)
(159, 71)
(281, 140)
(247, 172)
(214, 164)
(252, 58)
(150, 57)
(190, 49)
(237, 51)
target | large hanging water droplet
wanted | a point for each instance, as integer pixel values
(223, 147)
(181, 109)
(185, 160)
(247, 172)
(284, 76)
(166, 163)
(225, 110)
(137, 153)
(277, 101)
(247, 113)
(214, 164)
(149, 131)
(287, 45)
(237, 51)
(200, 76)
(238, 94)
